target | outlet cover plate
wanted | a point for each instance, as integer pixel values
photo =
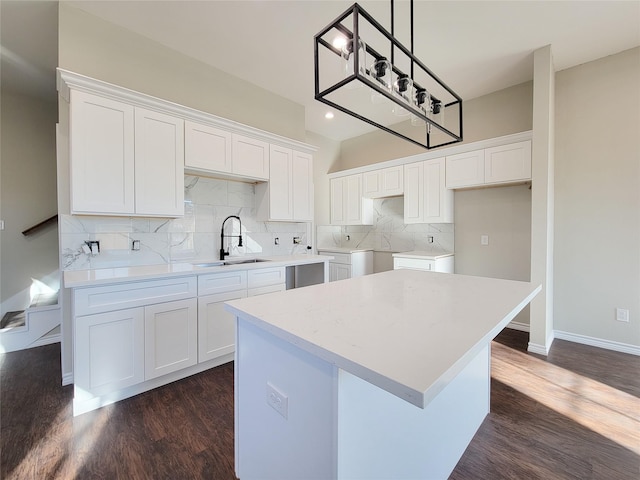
(277, 400)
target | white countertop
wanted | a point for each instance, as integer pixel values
(102, 276)
(408, 332)
(344, 250)
(424, 255)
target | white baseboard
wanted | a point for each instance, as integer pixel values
(597, 342)
(537, 348)
(523, 327)
(67, 379)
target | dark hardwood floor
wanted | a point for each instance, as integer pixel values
(573, 415)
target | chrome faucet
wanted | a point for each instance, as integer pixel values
(222, 235)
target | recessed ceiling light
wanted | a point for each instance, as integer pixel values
(328, 115)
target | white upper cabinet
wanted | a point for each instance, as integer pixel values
(426, 199)
(348, 206)
(124, 160)
(207, 148)
(159, 164)
(102, 155)
(302, 185)
(386, 182)
(288, 196)
(465, 169)
(508, 163)
(250, 157)
(496, 165)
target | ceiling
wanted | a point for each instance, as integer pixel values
(476, 47)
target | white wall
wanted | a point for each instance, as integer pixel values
(597, 198)
(28, 196)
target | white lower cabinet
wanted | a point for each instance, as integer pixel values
(109, 353)
(442, 263)
(170, 337)
(216, 326)
(339, 271)
(348, 265)
(131, 337)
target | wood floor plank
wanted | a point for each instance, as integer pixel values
(572, 415)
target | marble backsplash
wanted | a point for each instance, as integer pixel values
(192, 238)
(389, 232)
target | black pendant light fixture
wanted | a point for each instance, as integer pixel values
(361, 69)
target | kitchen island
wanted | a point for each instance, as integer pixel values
(381, 376)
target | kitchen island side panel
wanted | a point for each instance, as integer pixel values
(381, 436)
(268, 445)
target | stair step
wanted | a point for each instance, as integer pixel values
(44, 300)
(13, 320)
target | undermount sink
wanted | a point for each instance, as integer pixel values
(244, 260)
(236, 261)
(208, 264)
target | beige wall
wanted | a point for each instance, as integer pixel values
(504, 214)
(500, 113)
(323, 161)
(597, 198)
(98, 49)
(28, 196)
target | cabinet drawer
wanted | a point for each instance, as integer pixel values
(344, 258)
(264, 277)
(132, 294)
(253, 292)
(222, 282)
(414, 264)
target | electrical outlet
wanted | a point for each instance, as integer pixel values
(277, 400)
(484, 239)
(622, 314)
(94, 246)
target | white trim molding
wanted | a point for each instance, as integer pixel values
(598, 342)
(442, 152)
(66, 81)
(541, 349)
(523, 327)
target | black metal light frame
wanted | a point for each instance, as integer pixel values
(357, 11)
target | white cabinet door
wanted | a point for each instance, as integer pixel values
(337, 200)
(171, 335)
(207, 148)
(339, 271)
(101, 155)
(465, 169)
(348, 207)
(426, 199)
(216, 326)
(508, 163)
(353, 200)
(109, 352)
(302, 185)
(386, 182)
(159, 164)
(280, 187)
(414, 192)
(438, 200)
(250, 157)
(372, 184)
